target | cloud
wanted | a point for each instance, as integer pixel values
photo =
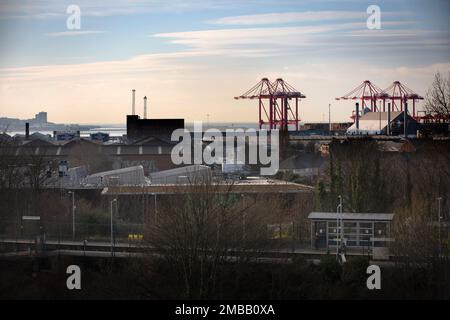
(288, 40)
(50, 9)
(248, 38)
(137, 64)
(73, 33)
(305, 16)
(100, 92)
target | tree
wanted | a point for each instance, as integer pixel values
(437, 100)
(196, 231)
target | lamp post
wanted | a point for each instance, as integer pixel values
(112, 229)
(73, 213)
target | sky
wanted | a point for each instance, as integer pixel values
(191, 57)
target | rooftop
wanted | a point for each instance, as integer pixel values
(351, 216)
(242, 186)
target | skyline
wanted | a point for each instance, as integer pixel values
(190, 58)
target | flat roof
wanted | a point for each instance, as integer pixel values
(246, 186)
(351, 216)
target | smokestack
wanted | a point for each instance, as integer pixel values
(27, 131)
(405, 119)
(357, 117)
(145, 107)
(133, 102)
(389, 120)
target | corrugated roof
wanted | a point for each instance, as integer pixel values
(351, 216)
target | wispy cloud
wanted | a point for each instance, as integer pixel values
(48, 9)
(251, 37)
(73, 33)
(306, 16)
(286, 40)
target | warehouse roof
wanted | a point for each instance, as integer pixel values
(246, 186)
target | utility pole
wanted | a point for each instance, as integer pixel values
(112, 227)
(439, 222)
(379, 111)
(338, 231)
(389, 120)
(73, 214)
(156, 209)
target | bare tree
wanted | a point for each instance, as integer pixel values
(438, 96)
(195, 233)
(202, 227)
(10, 174)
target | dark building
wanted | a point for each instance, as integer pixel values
(141, 128)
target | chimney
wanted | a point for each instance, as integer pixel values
(388, 128)
(145, 107)
(357, 117)
(133, 102)
(27, 131)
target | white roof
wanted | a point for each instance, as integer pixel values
(373, 122)
(118, 171)
(196, 168)
(351, 216)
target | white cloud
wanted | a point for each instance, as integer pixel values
(73, 33)
(254, 38)
(287, 40)
(305, 16)
(47, 9)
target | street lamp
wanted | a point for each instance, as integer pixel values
(112, 229)
(73, 213)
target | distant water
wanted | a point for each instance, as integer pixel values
(118, 130)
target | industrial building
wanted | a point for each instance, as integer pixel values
(259, 195)
(138, 128)
(185, 174)
(372, 123)
(357, 230)
(131, 176)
